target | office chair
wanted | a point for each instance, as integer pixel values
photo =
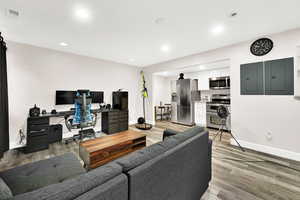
(83, 116)
(223, 113)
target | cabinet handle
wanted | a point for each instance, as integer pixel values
(273, 77)
(42, 130)
(247, 79)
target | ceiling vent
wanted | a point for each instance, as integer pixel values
(12, 13)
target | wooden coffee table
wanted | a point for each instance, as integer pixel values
(99, 151)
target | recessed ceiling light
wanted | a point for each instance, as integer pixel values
(217, 29)
(165, 48)
(82, 14)
(201, 67)
(233, 14)
(63, 44)
(165, 73)
(160, 20)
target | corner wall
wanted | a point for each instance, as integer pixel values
(161, 89)
(34, 74)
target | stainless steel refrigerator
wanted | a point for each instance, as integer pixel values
(186, 94)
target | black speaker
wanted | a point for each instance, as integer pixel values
(120, 100)
(35, 111)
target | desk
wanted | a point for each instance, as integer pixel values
(41, 130)
(69, 112)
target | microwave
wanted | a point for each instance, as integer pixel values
(218, 83)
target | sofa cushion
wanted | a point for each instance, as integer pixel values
(172, 141)
(39, 174)
(188, 133)
(169, 143)
(113, 189)
(5, 192)
(169, 132)
(73, 188)
(139, 157)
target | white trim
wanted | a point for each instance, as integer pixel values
(269, 150)
(134, 122)
(151, 122)
(14, 145)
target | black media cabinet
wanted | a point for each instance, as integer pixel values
(114, 121)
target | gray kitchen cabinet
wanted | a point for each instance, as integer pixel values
(279, 77)
(252, 78)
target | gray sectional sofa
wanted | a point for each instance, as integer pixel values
(178, 168)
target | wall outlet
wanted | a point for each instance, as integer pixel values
(269, 136)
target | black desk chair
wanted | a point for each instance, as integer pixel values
(83, 117)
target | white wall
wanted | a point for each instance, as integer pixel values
(34, 74)
(254, 116)
(161, 90)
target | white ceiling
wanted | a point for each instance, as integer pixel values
(125, 30)
(222, 64)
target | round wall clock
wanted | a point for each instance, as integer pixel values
(261, 47)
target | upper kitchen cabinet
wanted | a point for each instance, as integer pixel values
(252, 79)
(173, 86)
(279, 77)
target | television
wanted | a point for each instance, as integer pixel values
(65, 97)
(68, 97)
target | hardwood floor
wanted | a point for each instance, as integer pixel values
(236, 175)
(250, 175)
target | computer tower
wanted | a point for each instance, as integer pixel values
(120, 100)
(55, 133)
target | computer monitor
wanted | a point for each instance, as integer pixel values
(65, 97)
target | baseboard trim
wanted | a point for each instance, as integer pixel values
(14, 145)
(269, 150)
(134, 122)
(150, 122)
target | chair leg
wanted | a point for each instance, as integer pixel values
(221, 133)
(218, 132)
(216, 135)
(237, 142)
